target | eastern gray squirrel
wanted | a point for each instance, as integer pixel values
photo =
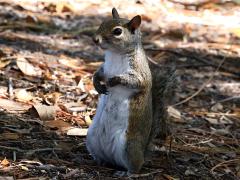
(124, 124)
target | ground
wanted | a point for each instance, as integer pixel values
(47, 100)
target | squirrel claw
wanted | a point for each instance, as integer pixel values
(101, 89)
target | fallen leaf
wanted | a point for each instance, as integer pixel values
(69, 62)
(88, 120)
(52, 98)
(45, 112)
(59, 124)
(64, 7)
(174, 113)
(5, 162)
(27, 68)
(4, 63)
(23, 95)
(217, 107)
(11, 105)
(85, 84)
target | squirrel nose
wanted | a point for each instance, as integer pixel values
(97, 39)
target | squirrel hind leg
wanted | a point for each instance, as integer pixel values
(135, 157)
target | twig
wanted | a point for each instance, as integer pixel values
(225, 100)
(201, 88)
(225, 162)
(145, 174)
(154, 62)
(197, 149)
(12, 148)
(10, 88)
(29, 152)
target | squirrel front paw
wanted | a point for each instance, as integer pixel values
(114, 81)
(101, 89)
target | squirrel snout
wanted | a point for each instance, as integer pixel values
(97, 39)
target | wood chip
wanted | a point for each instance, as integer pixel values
(77, 132)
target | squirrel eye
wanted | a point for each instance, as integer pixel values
(117, 31)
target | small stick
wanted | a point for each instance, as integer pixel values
(145, 174)
(29, 152)
(225, 100)
(225, 162)
(10, 88)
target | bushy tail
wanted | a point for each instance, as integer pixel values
(163, 90)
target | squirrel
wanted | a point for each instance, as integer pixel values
(124, 124)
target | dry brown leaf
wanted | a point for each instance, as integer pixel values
(64, 7)
(174, 112)
(85, 84)
(4, 63)
(27, 68)
(23, 95)
(46, 113)
(5, 162)
(52, 98)
(69, 62)
(10, 105)
(88, 120)
(31, 19)
(59, 124)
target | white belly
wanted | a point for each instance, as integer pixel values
(106, 139)
(106, 136)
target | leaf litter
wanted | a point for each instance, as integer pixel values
(47, 100)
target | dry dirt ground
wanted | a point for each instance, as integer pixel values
(47, 99)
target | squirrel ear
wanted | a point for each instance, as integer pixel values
(115, 13)
(134, 23)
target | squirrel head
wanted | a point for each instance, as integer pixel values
(118, 34)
